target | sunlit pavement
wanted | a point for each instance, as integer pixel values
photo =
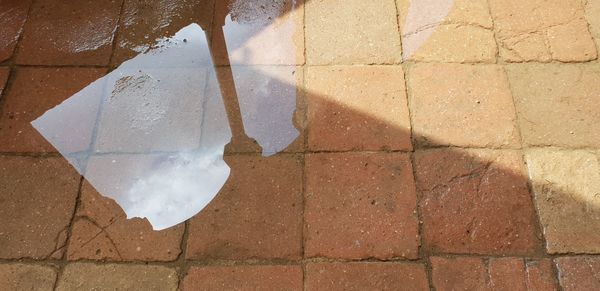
(444, 145)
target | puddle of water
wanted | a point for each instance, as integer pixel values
(151, 134)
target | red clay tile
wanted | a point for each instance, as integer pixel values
(103, 232)
(365, 276)
(475, 201)
(4, 72)
(86, 276)
(244, 278)
(143, 21)
(36, 206)
(69, 32)
(34, 91)
(540, 275)
(357, 108)
(257, 214)
(470, 273)
(352, 32)
(360, 206)
(462, 105)
(27, 277)
(516, 274)
(579, 273)
(13, 14)
(459, 274)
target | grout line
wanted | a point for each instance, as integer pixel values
(182, 263)
(116, 36)
(64, 261)
(305, 131)
(493, 29)
(424, 253)
(268, 262)
(539, 230)
(11, 62)
(309, 152)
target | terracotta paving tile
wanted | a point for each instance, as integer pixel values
(13, 14)
(469, 273)
(365, 276)
(473, 108)
(244, 278)
(579, 273)
(34, 91)
(566, 186)
(259, 32)
(257, 214)
(18, 276)
(86, 276)
(65, 33)
(557, 104)
(360, 206)
(475, 201)
(474, 12)
(357, 108)
(103, 232)
(464, 35)
(36, 205)
(542, 31)
(142, 22)
(352, 32)
(4, 73)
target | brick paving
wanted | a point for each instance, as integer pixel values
(473, 165)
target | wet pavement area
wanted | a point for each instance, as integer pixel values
(300, 145)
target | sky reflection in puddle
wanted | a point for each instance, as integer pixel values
(151, 134)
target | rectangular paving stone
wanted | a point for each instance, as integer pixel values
(87, 276)
(462, 105)
(240, 278)
(510, 274)
(34, 91)
(360, 206)
(352, 32)
(257, 214)
(12, 17)
(103, 232)
(579, 273)
(37, 199)
(83, 36)
(16, 276)
(357, 108)
(542, 31)
(557, 104)
(566, 184)
(463, 35)
(451, 43)
(365, 276)
(475, 201)
(142, 22)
